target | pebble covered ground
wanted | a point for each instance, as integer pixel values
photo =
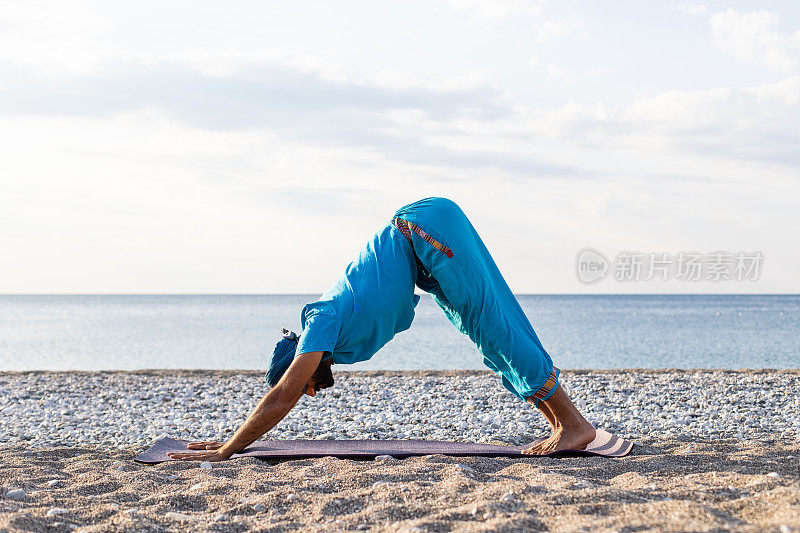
(718, 451)
(132, 409)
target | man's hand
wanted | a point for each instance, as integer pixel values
(275, 405)
(210, 456)
(205, 455)
(205, 445)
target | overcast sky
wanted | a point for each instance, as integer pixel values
(252, 147)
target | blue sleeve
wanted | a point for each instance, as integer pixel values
(320, 329)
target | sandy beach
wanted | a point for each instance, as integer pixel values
(72, 470)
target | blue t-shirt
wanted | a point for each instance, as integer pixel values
(372, 301)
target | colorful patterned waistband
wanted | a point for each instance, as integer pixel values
(407, 227)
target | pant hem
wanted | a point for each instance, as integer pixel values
(546, 390)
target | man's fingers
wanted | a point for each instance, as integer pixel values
(185, 456)
(204, 445)
(197, 456)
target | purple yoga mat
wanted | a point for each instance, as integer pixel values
(605, 444)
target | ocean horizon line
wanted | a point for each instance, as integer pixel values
(317, 294)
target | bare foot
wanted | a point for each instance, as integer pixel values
(563, 439)
(571, 431)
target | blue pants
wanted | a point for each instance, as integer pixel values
(457, 270)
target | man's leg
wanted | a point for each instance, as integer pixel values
(571, 431)
(476, 299)
(548, 414)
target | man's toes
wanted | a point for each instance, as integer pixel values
(530, 450)
(535, 449)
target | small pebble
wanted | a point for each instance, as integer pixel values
(15, 494)
(773, 474)
(786, 529)
(466, 470)
(383, 457)
(291, 497)
(205, 465)
(172, 515)
(56, 511)
(259, 507)
(53, 482)
(508, 498)
(221, 517)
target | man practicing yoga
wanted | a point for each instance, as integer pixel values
(431, 244)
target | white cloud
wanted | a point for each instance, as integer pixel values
(264, 95)
(53, 35)
(785, 92)
(137, 192)
(494, 10)
(728, 125)
(168, 153)
(139, 186)
(692, 9)
(755, 38)
(755, 126)
(598, 72)
(556, 72)
(549, 29)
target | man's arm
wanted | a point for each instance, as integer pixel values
(272, 408)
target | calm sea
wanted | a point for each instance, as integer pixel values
(237, 332)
